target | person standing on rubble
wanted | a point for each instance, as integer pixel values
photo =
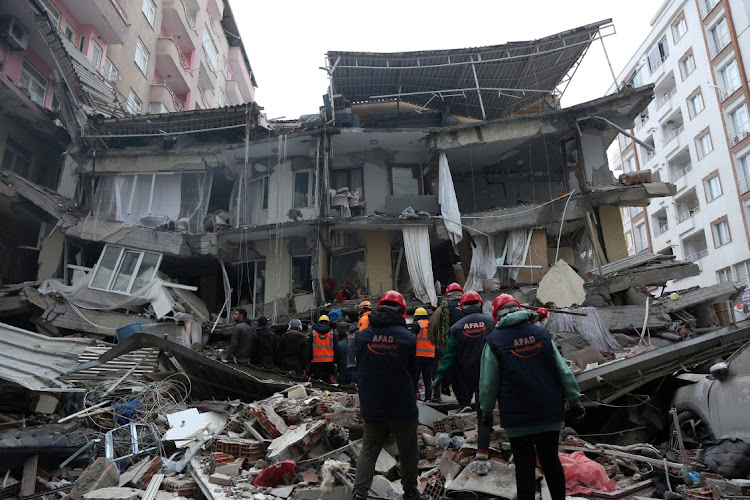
(265, 344)
(438, 331)
(320, 346)
(292, 352)
(363, 321)
(520, 359)
(425, 350)
(387, 382)
(464, 350)
(240, 347)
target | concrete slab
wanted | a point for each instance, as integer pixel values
(113, 493)
(499, 482)
(561, 286)
(428, 414)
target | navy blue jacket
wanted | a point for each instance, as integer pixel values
(531, 391)
(455, 311)
(469, 333)
(386, 364)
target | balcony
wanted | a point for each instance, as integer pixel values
(707, 6)
(745, 185)
(666, 98)
(730, 88)
(658, 64)
(180, 22)
(739, 133)
(234, 95)
(172, 64)
(215, 9)
(241, 73)
(693, 257)
(716, 48)
(106, 16)
(661, 229)
(640, 121)
(687, 214)
(674, 134)
(162, 92)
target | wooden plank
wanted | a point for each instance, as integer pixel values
(28, 480)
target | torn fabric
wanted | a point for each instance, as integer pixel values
(483, 263)
(448, 202)
(246, 203)
(590, 327)
(419, 263)
(516, 248)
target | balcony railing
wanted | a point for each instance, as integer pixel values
(740, 133)
(697, 256)
(188, 15)
(119, 10)
(664, 99)
(707, 6)
(717, 47)
(674, 134)
(745, 185)
(203, 98)
(687, 214)
(641, 245)
(681, 173)
(661, 229)
(730, 88)
(178, 106)
(640, 121)
(183, 58)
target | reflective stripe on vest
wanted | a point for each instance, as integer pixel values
(323, 348)
(364, 322)
(425, 348)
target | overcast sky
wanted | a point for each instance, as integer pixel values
(286, 41)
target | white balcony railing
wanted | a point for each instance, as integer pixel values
(189, 16)
(681, 173)
(707, 6)
(739, 133)
(640, 121)
(730, 88)
(650, 154)
(745, 184)
(687, 214)
(719, 45)
(661, 229)
(697, 256)
(674, 134)
(664, 99)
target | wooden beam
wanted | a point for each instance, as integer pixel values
(28, 480)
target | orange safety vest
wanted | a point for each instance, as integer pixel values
(364, 321)
(425, 348)
(322, 347)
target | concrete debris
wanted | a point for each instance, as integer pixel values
(561, 286)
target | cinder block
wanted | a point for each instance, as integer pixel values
(220, 479)
(102, 473)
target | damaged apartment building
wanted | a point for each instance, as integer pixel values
(421, 167)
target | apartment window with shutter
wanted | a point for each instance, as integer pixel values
(704, 144)
(721, 232)
(658, 54)
(713, 187)
(741, 273)
(141, 56)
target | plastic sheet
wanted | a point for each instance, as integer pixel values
(246, 203)
(483, 264)
(448, 201)
(583, 476)
(590, 327)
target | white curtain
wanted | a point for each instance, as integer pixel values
(448, 202)
(166, 197)
(419, 263)
(247, 201)
(516, 248)
(483, 263)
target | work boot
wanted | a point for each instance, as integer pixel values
(482, 467)
(417, 496)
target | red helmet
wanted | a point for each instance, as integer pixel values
(469, 297)
(394, 297)
(501, 301)
(454, 287)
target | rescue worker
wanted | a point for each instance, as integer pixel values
(438, 331)
(363, 311)
(425, 350)
(519, 359)
(464, 350)
(265, 344)
(387, 382)
(292, 352)
(240, 346)
(320, 346)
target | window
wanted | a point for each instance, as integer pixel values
(351, 178)
(721, 232)
(634, 211)
(740, 117)
(637, 79)
(730, 77)
(16, 157)
(134, 105)
(110, 71)
(745, 162)
(149, 10)
(304, 186)
(712, 186)
(630, 164)
(658, 54)
(719, 37)
(641, 238)
(81, 44)
(70, 34)
(226, 69)
(33, 83)
(687, 64)
(695, 102)
(222, 98)
(406, 180)
(629, 241)
(155, 108)
(96, 55)
(679, 27)
(724, 275)
(704, 144)
(122, 270)
(141, 56)
(209, 47)
(302, 274)
(52, 11)
(741, 272)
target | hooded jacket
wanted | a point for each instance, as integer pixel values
(264, 347)
(386, 365)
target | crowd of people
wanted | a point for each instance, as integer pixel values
(502, 360)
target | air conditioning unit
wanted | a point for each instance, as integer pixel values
(338, 238)
(14, 33)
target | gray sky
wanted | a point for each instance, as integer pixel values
(286, 41)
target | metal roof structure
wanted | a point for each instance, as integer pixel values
(36, 361)
(484, 82)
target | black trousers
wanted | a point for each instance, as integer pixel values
(526, 450)
(426, 366)
(322, 371)
(464, 391)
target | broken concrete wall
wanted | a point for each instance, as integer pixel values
(147, 160)
(595, 160)
(482, 191)
(281, 188)
(378, 261)
(50, 255)
(610, 223)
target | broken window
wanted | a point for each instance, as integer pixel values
(16, 157)
(302, 274)
(353, 178)
(349, 266)
(304, 188)
(249, 199)
(123, 270)
(658, 55)
(250, 279)
(154, 200)
(406, 180)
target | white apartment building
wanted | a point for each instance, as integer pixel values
(699, 127)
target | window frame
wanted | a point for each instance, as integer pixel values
(716, 233)
(132, 94)
(728, 274)
(34, 78)
(413, 166)
(117, 268)
(732, 116)
(310, 188)
(706, 183)
(109, 74)
(688, 55)
(69, 27)
(145, 55)
(291, 274)
(349, 171)
(680, 18)
(695, 93)
(698, 138)
(151, 14)
(18, 150)
(94, 47)
(53, 11)
(626, 163)
(213, 62)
